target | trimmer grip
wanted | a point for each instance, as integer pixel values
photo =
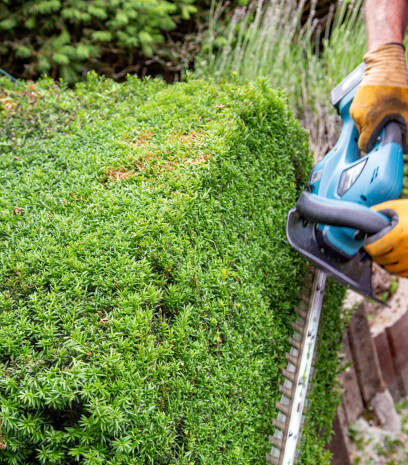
(333, 212)
(393, 133)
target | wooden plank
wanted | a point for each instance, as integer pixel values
(352, 400)
(387, 365)
(365, 355)
(398, 341)
(338, 444)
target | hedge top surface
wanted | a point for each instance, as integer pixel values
(146, 282)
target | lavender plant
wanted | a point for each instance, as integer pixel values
(273, 39)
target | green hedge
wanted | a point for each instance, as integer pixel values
(146, 283)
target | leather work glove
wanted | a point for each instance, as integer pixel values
(382, 95)
(389, 247)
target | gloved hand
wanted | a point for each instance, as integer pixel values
(382, 95)
(389, 247)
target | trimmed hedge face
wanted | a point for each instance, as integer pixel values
(146, 283)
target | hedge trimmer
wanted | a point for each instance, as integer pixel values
(328, 227)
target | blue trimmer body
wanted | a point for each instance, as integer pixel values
(332, 219)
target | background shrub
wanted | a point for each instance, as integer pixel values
(147, 286)
(68, 37)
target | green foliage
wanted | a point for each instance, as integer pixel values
(67, 37)
(147, 286)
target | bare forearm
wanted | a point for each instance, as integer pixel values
(386, 21)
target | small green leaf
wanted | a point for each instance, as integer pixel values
(121, 19)
(48, 6)
(69, 74)
(145, 38)
(60, 58)
(23, 51)
(187, 11)
(43, 65)
(30, 22)
(83, 52)
(147, 49)
(8, 24)
(98, 12)
(102, 36)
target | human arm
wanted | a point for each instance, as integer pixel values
(381, 97)
(383, 93)
(386, 21)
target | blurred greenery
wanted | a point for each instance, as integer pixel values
(67, 38)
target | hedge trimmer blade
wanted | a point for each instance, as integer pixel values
(297, 373)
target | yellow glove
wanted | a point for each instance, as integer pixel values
(382, 95)
(389, 247)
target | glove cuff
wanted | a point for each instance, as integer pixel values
(385, 66)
